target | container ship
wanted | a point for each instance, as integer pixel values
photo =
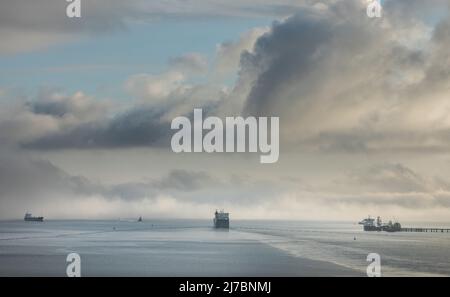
(29, 218)
(369, 224)
(221, 220)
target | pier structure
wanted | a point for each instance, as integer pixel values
(370, 225)
(434, 230)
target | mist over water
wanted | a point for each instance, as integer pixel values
(194, 248)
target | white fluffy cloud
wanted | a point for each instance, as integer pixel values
(155, 87)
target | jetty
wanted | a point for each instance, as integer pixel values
(435, 230)
(369, 224)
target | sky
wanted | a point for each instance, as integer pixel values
(86, 106)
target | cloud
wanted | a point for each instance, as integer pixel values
(191, 63)
(18, 41)
(197, 187)
(155, 88)
(78, 106)
(146, 124)
(33, 184)
(340, 81)
(140, 126)
(29, 183)
(390, 185)
(228, 54)
(208, 9)
(24, 120)
(54, 120)
(177, 183)
(395, 178)
(186, 181)
(29, 26)
(37, 185)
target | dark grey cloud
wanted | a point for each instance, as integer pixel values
(82, 122)
(56, 104)
(295, 60)
(141, 126)
(282, 57)
(58, 109)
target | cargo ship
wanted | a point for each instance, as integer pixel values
(29, 218)
(370, 225)
(221, 220)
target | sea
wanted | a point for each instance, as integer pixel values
(194, 248)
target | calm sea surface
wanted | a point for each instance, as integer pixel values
(194, 248)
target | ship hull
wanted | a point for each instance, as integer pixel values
(38, 219)
(223, 224)
(372, 228)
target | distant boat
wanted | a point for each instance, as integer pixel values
(140, 219)
(29, 218)
(221, 219)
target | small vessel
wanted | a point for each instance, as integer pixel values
(29, 218)
(221, 219)
(140, 219)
